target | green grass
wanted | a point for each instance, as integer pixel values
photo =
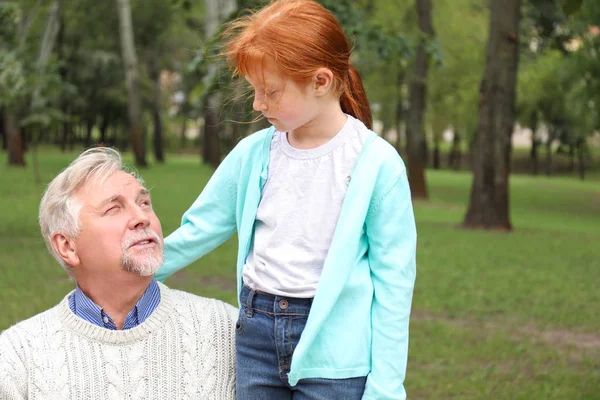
(495, 315)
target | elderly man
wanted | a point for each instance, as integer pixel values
(119, 334)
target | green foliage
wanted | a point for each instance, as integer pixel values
(84, 79)
(369, 37)
(13, 77)
(559, 88)
(13, 82)
(540, 91)
(10, 14)
(570, 7)
(453, 87)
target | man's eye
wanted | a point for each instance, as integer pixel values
(112, 210)
(147, 203)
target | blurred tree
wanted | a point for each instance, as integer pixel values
(452, 85)
(554, 80)
(217, 12)
(14, 27)
(156, 36)
(131, 73)
(489, 202)
(416, 141)
(383, 33)
(540, 102)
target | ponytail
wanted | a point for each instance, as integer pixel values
(354, 99)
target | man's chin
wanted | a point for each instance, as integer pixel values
(143, 265)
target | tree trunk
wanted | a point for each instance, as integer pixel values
(549, 155)
(89, 126)
(216, 12)
(183, 128)
(114, 139)
(25, 139)
(455, 157)
(581, 157)
(131, 73)
(2, 131)
(67, 132)
(571, 157)
(436, 155)
(535, 143)
(416, 142)
(535, 163)
(489, 202)
(156, 118)
(48, 41)
(399, 109)
(103, 127)
(212, 148)
(14, 140)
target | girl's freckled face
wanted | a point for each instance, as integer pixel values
(286, 104)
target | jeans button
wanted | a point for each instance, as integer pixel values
(283, 304)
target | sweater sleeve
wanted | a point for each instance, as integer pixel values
(391, 232)
(208, 223)
(13, 372)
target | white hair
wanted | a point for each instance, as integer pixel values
(59, 209)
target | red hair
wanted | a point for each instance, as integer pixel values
(300, 36)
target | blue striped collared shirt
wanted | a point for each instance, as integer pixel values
(85, 308)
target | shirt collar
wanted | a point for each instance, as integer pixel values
(148, 302)
(85, 308)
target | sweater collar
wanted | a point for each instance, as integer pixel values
(155, 321)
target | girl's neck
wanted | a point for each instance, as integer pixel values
(319, 130)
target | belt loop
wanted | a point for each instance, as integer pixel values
(249, 305)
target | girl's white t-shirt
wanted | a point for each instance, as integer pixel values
(298, 212)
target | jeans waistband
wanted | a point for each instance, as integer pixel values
(255, 300)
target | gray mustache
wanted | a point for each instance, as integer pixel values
(139, 235)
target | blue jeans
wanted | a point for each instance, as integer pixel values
(267, 332)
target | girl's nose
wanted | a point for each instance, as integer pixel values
(259, 103)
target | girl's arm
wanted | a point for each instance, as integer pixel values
(392, 236)
(208, 223)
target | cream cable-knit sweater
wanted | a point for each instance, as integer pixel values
(184, 350)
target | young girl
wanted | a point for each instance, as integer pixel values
(322, 209)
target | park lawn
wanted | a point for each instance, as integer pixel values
(495, 315)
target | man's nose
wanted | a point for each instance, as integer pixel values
(140, 218)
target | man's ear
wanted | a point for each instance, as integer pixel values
(66, 249)
(322, 81)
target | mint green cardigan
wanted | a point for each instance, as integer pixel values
(358, 323)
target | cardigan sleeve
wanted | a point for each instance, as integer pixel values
(392, 237)
(13, 372)
(208, 223)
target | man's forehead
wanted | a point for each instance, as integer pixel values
(119, 183)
